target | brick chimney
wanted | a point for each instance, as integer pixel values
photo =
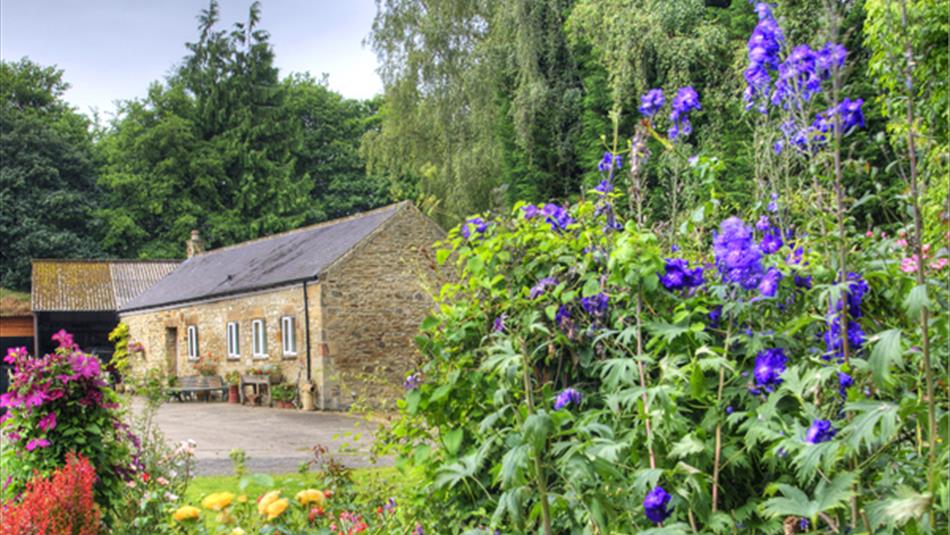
(194, 245)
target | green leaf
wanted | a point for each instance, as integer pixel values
(887, 352)
(916, 300)
(536, 429)
(591, 287)
(686, 446)
(453, 441)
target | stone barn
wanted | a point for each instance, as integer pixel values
(335, 304)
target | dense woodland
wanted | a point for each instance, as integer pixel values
(485, 104)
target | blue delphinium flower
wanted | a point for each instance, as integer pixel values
(803, 281)
(771, 241)
(737, 255)
(715, 316)
(655, 504)
(530, 211)
(679, 275)
(798, 78)
(604, 187)
(769, 366)
(832, 337)
(568, 396)
(478, 224)
(763, 223)
(764, 46)
(499, 324)
(832, 56)
(563, 319)
(538, 289)
(845, 382)
(686, 100)
(773, 203)
(610, 161)
(557, 217)
(413, 381)
(820, 431)
(595, 305)
(857, 288)
(651, 102)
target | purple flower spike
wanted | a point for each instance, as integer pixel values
(568, 396)
(769, 366)
(595, 305)
(651, 102)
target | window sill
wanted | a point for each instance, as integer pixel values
(234, 357)
(261, 357)
(290, 355)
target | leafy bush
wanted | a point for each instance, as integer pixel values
(54, 505)
(587, 374)
(58, 404)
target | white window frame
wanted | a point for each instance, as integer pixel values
(233, 333)
(193, 342)
(288, 336)
(259, 339)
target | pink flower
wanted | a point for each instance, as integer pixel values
(939, 264)
(15, 353)
(883, 234)
(161, 481)
(37, 443)
(48, 422)
(65, 339)
(902, 242)
(909, 264)
(870, 234)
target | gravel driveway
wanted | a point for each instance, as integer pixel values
(275, 440)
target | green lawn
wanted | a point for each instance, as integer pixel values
(367, 480)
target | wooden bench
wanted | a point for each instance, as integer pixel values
(188, 385)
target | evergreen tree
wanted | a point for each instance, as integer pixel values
(48, 176)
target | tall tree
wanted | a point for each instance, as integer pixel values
(48, 176)
(214, 148)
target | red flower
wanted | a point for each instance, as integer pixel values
(315, 513)
(61, 503)
(145, 477)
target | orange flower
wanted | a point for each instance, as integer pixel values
(264, 501)
(187, 512)
(276, 508)
(310, 496)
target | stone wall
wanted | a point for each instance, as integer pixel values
(373, 302)
(152, 328)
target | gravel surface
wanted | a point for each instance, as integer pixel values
(275, 440)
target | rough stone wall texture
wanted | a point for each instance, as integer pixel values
(153, 328)
(373, 302)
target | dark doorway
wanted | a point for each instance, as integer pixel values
(171, 350)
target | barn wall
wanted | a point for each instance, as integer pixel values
(153, 328)
(373, 302)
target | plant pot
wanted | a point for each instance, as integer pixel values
(284, 404)
(233, 394)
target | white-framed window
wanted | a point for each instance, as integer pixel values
(192, 342)
(234, 342)
(288, 336)
(258, 339)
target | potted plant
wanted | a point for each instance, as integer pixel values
(233, 378)
(283, 395)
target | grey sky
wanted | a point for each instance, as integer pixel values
(113, 49)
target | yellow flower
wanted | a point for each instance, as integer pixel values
(242, 498)
(310, 496)
(276, 508)
(266, 500)
(217, 501)
(237, 531)
(187, 512)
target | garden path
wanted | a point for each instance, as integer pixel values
(275, 440)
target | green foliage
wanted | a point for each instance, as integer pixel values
(120, 357)
(48, 178)
(227, 147)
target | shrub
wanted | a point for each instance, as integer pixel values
(62, 503)
(58, 404)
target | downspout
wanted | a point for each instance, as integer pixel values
(306, 328)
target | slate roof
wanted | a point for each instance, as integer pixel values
(269, 262)
(92, 285)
